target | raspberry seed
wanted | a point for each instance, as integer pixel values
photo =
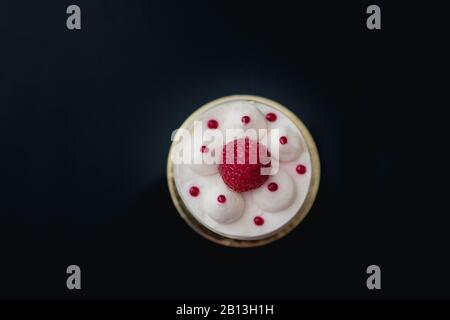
(301, 169)
(213, 124)
(259, 221)
(245, 119)
(283, 140)
(272, 187)
(271, 117)
(194, 191)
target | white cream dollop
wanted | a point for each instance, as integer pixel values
(234, 218)
(279, 199)
(205, 163)
(288, 151)
(228, 211)
(234, 122)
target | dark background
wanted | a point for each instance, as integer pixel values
(85, 124)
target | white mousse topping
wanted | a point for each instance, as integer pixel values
(276, 194)
(256, 213)
(222, 204)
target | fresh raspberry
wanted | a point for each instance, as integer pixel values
(240, 170)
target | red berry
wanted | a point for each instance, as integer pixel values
(301, 169)
(213, 124)
(272, 187)
(271, 117)
(204, 149)
(240, 170)
(194, 191)
(259, 221)
(221, 198)
(283, 140)
(245, 119)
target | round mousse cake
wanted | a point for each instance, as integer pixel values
(243, 171)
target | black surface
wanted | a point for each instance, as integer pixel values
(85, 124)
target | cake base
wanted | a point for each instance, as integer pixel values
(299, 216)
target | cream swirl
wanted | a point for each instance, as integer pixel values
(276, 194)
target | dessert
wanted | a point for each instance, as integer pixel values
(243, 170)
